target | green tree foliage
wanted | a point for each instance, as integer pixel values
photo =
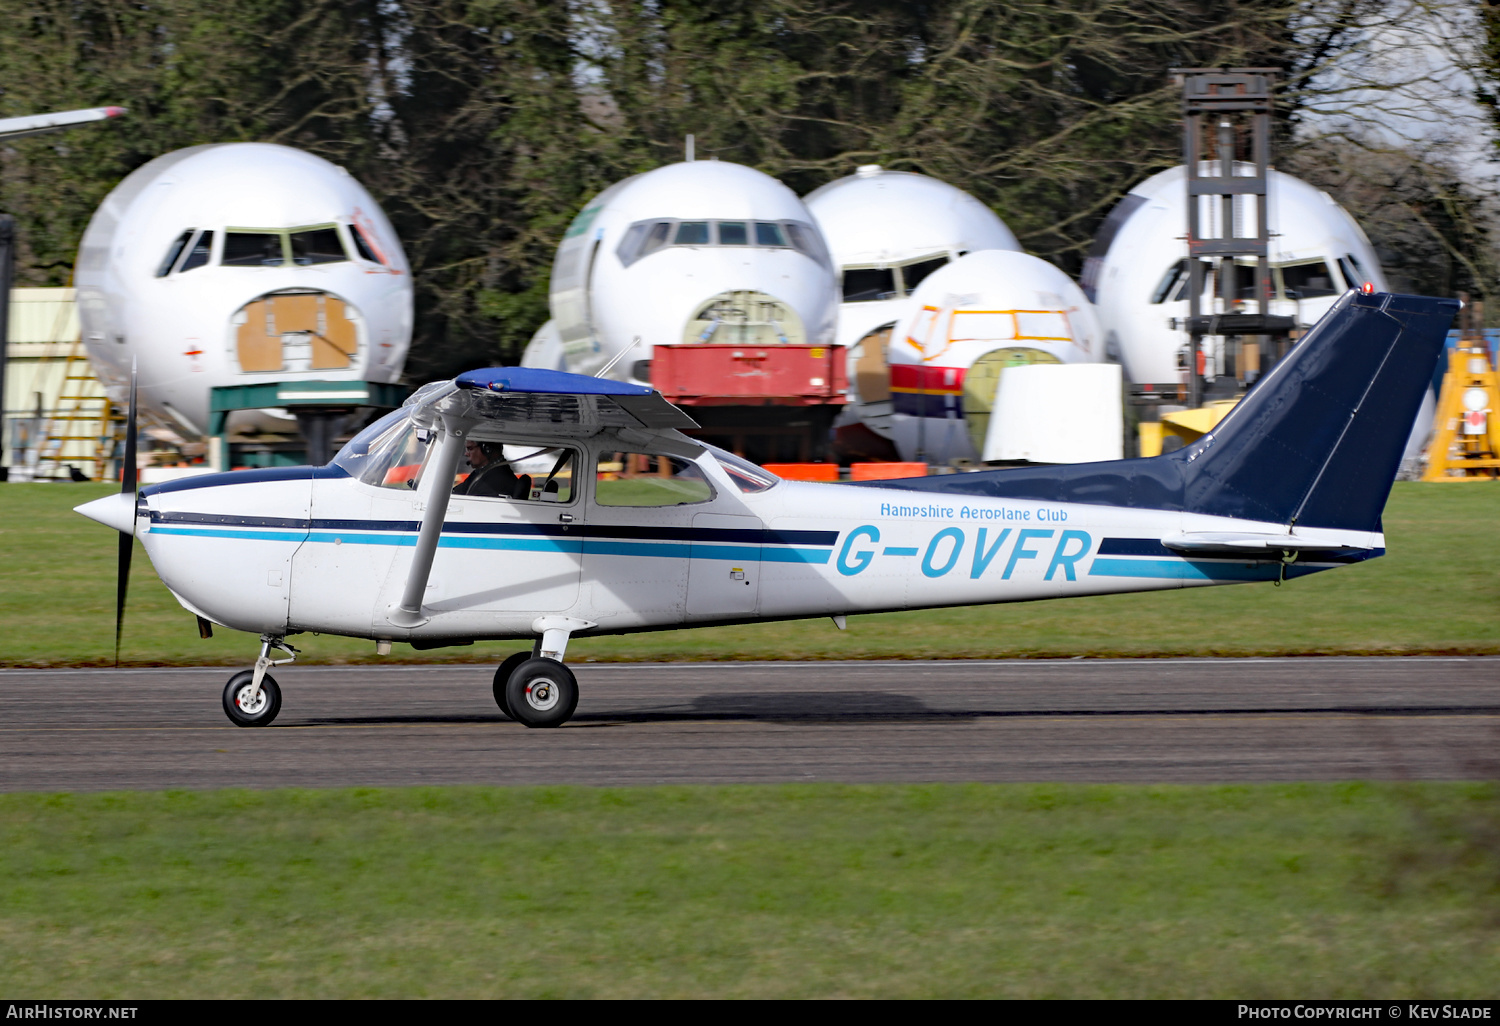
(483, 125)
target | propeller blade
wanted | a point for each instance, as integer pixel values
(129, 477)
(127, 549)
(128, 472)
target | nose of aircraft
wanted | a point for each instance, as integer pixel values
(117, 511)
(746, 317)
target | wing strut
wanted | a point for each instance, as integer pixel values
(408, 613)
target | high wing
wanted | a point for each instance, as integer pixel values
(36, 124)
(539, 401)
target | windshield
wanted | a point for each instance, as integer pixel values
(747, 477)
(355, 455)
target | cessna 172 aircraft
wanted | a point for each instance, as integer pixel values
(586, 510)
(240, 264)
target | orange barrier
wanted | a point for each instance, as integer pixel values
(885, 471)
(805, 471)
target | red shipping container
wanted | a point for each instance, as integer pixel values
(713, 374)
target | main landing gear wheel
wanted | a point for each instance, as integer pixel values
(542, 693)
(502, 678)
(245, 711)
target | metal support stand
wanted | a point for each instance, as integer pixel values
(1226, 95)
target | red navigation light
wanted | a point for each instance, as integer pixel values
(1368, 288)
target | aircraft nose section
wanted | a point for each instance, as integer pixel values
(117, 511)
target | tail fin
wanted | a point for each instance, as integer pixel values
(1316, 443)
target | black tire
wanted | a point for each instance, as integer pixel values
(502, 678)
(260, 717)
(542, 693)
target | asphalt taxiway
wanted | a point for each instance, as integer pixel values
(1180, 720)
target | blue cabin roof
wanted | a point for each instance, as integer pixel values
(539, 379)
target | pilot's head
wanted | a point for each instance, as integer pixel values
(480, 454)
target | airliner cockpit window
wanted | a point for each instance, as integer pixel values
(692, 233)
(867, 284)
(199, 253)
(173, 252)
(913, 273)
(1308, 281)
(362, 245)
(317, 246)
(253, 249)
(643, 238)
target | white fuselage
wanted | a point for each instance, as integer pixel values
(1136, 280)
(705, 251)
(276, 552)
(165, 279)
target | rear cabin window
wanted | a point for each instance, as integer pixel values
(645, 479)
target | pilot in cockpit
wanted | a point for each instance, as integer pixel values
(491, 474)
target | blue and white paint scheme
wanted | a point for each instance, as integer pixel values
(377, 544)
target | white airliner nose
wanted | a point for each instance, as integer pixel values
(117, 511)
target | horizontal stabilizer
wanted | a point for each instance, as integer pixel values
(1258, 545)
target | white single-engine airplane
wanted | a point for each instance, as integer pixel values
(585, 511)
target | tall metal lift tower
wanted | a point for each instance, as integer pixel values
(1220, 108)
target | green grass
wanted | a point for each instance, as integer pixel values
(1437, 591)
(768, 891)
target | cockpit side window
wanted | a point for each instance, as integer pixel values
(253, 249)
(867, 284)
(317, 246)
(1308, 281)
(173, 252)
(199, 252)
(769, 233)
(362, 245)
(913, 273)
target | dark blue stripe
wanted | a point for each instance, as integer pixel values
(661, 534)
(239, 477)
(1135, 547)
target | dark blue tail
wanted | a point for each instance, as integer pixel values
(1317, 442)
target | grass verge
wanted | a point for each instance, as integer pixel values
(1436, 592)
(757, 891)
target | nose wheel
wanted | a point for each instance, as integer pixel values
(248, 705)
(541, 693)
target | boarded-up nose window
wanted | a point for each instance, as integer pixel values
(313, 319)
(319, 246)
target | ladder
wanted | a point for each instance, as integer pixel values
(80, 417)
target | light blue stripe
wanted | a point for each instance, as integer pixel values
(603, 547)
(895, 550)
(1181, 569)
(207, 532)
